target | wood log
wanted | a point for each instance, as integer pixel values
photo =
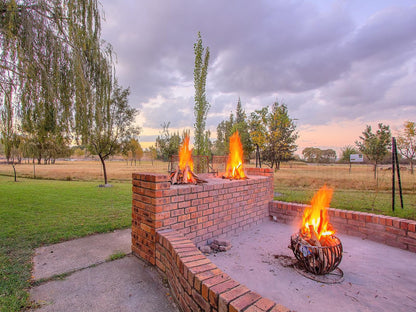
(314, 241)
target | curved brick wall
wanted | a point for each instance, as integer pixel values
(197, 283)
(391, 231)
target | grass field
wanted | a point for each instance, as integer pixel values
(65, 202)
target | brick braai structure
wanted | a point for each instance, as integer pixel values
(169, 221)
(199, 212)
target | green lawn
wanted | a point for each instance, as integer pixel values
(366, 201)
(39, 212)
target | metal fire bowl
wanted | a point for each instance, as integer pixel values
(315, 259)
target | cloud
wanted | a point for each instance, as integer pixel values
(328, 63)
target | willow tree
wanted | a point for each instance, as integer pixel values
(52, 60)
(201, 106)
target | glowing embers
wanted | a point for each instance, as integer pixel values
(316, 247)
(234, 168)
(184, 172)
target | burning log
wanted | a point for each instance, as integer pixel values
(183, 173)
(185, 176)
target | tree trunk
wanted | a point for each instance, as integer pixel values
(411, 166)
(104, 169)
(375, 171)
(14, 169)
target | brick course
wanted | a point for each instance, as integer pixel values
(391, 231)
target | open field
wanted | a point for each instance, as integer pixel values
(296, 175)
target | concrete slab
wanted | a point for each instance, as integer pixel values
(122, 285)
(79, 253)
(376, 277)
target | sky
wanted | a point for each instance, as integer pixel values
(337, 65)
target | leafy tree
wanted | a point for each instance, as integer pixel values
(227, 127)
(167, 144)
(406, 142)
(201, 106)
(153, 153)
(258, 128)
(224, 131)
(281, 136)
(54, 63)
(274, 132)
(346, 152)
(375, 145)
(242, 127)
(111, 125)
(328, 156)
(133, 150)
(312, 154)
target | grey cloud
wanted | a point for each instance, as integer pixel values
(320, 62)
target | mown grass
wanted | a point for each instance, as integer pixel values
(39, 212)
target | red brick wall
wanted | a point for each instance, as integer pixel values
(199, 212)
(198, 284)
(391, 231)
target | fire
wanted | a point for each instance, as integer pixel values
(315, 218)
(185, 158)
(235, 159)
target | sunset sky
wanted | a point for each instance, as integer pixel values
(337, 65)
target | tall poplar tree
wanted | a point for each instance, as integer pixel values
(201, 107)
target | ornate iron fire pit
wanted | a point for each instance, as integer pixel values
(318, 260)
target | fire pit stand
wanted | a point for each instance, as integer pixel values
(318, 260)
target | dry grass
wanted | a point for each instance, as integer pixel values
(293, 175)
(337, 176)
(84, 170)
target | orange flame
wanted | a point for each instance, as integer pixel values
(235, 159)
(316, 214)
(185, 157)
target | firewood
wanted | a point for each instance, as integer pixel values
(314, 241)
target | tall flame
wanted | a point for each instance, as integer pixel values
(235, 159)
(185, 157)
(316, 214)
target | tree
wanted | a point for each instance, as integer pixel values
(312, 154)
(167, 144)
(53, 61)
(241, 126)
(281, 136)
(111, 125)
(153, 153)
(201, 106)
(258, 129)
(228, 127)
(274, 133)
(406, 142)
(346, 152)
(375, 145)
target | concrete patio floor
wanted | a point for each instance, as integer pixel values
(376, 277)
(92, 283)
